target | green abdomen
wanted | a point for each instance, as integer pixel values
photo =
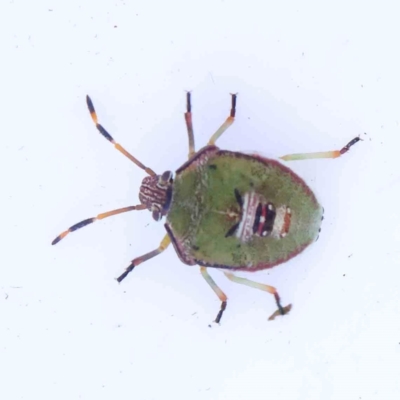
(232, 210)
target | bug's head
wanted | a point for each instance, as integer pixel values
(156, 192)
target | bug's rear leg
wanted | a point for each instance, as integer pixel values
(221, 295)
(189, 124)
(324, 154)
(266, 288)
(228, 122)
(138, 260)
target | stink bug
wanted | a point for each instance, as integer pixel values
(226, 210)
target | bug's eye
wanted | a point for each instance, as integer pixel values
(165, 178)
(156, 214)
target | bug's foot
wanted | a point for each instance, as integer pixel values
(280, 311)
(219, 316)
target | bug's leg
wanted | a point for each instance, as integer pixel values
(221, 295)
(228, 122)
(110, 138)
(189, 124)
(138, 260)
(324, 154)
(266, 288)
(88, 221)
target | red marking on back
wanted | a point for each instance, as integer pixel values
(286, 223)
(264, 214)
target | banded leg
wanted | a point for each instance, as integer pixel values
(324, 154)
(221, 295)
(110, 138)
(228, 122)
(266, 288)
(189, 124)
(163, 245)
(88, 221)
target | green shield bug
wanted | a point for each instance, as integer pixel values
(226, 210)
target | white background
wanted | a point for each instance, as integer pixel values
(310, 75)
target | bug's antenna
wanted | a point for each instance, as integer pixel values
(88, 221)
(110, 139)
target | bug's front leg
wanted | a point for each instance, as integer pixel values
(221, 295)
(266, 288)
(323, 154)
(138, 260)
